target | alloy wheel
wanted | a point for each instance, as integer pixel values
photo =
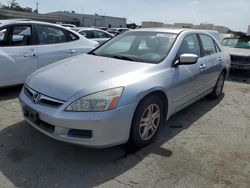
(149, 122)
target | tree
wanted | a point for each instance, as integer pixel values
(132, 26)
(13, 5)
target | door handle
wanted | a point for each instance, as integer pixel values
(71, 51)
(202, 66)
(29, 55)
(220, 59)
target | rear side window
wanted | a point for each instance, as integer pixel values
(50, 35)
(208, 45)
(100, 34)
(88, 34)
(190, 45)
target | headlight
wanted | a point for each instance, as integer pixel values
(97, 102)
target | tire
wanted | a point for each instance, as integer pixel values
(217, 91)
(144, 126)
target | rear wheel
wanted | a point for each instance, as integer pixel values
(146, 122)
(217, 91)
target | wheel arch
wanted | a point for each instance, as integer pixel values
(159, 93)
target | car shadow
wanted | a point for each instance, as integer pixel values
(242, 76)
(8, 93)
(29, 158)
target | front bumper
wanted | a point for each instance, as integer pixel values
(240, 65)
(91, 129)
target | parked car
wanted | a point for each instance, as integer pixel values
(117, 31)
(26, 46)
(68, 25)
(239, 50)
(124, 90)
(97, 35)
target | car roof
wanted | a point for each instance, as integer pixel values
(167, 30)
(25, 21)
(171, 30)
(88, 28)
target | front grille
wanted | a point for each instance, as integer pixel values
(33, 117)
(77, 133)
(240, 58)
(44, 100)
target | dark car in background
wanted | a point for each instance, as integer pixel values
(239, 50)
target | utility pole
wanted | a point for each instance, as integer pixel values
(37, 7)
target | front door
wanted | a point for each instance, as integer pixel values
(187, 78)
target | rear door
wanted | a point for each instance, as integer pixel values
(54, 44)
(18, 54)
(211, 61)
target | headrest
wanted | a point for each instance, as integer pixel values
(152, 42)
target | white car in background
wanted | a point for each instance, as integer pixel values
(117, 31)
(26, 46)
(68, 25)
(97, 35)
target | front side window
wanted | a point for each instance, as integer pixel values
(21, 36)
(190, 45)
(148, 47)
(16, 36)
(3, 37)
(208, 45)
(50, 35)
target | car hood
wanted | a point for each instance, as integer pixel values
(65, 78)
(238, 51)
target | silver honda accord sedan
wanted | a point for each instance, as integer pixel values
(124, 90)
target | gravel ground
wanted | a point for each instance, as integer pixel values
(205, 145)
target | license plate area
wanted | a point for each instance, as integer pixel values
(31, 115)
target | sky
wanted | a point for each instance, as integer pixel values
(234, 14)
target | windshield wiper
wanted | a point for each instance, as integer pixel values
(123, 57)
(92, 53)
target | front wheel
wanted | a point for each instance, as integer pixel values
(217, 91)
(146, 122)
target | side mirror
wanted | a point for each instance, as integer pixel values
(187, 59)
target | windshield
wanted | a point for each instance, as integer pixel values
(111, 30)
(237, 43)
(148, 47)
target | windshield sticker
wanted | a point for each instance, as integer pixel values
(165, 35)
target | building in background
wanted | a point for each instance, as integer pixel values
(149, 24)
(248, 31)
(10, 14)
(206, 26)
(81, 20)
(87, 20)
